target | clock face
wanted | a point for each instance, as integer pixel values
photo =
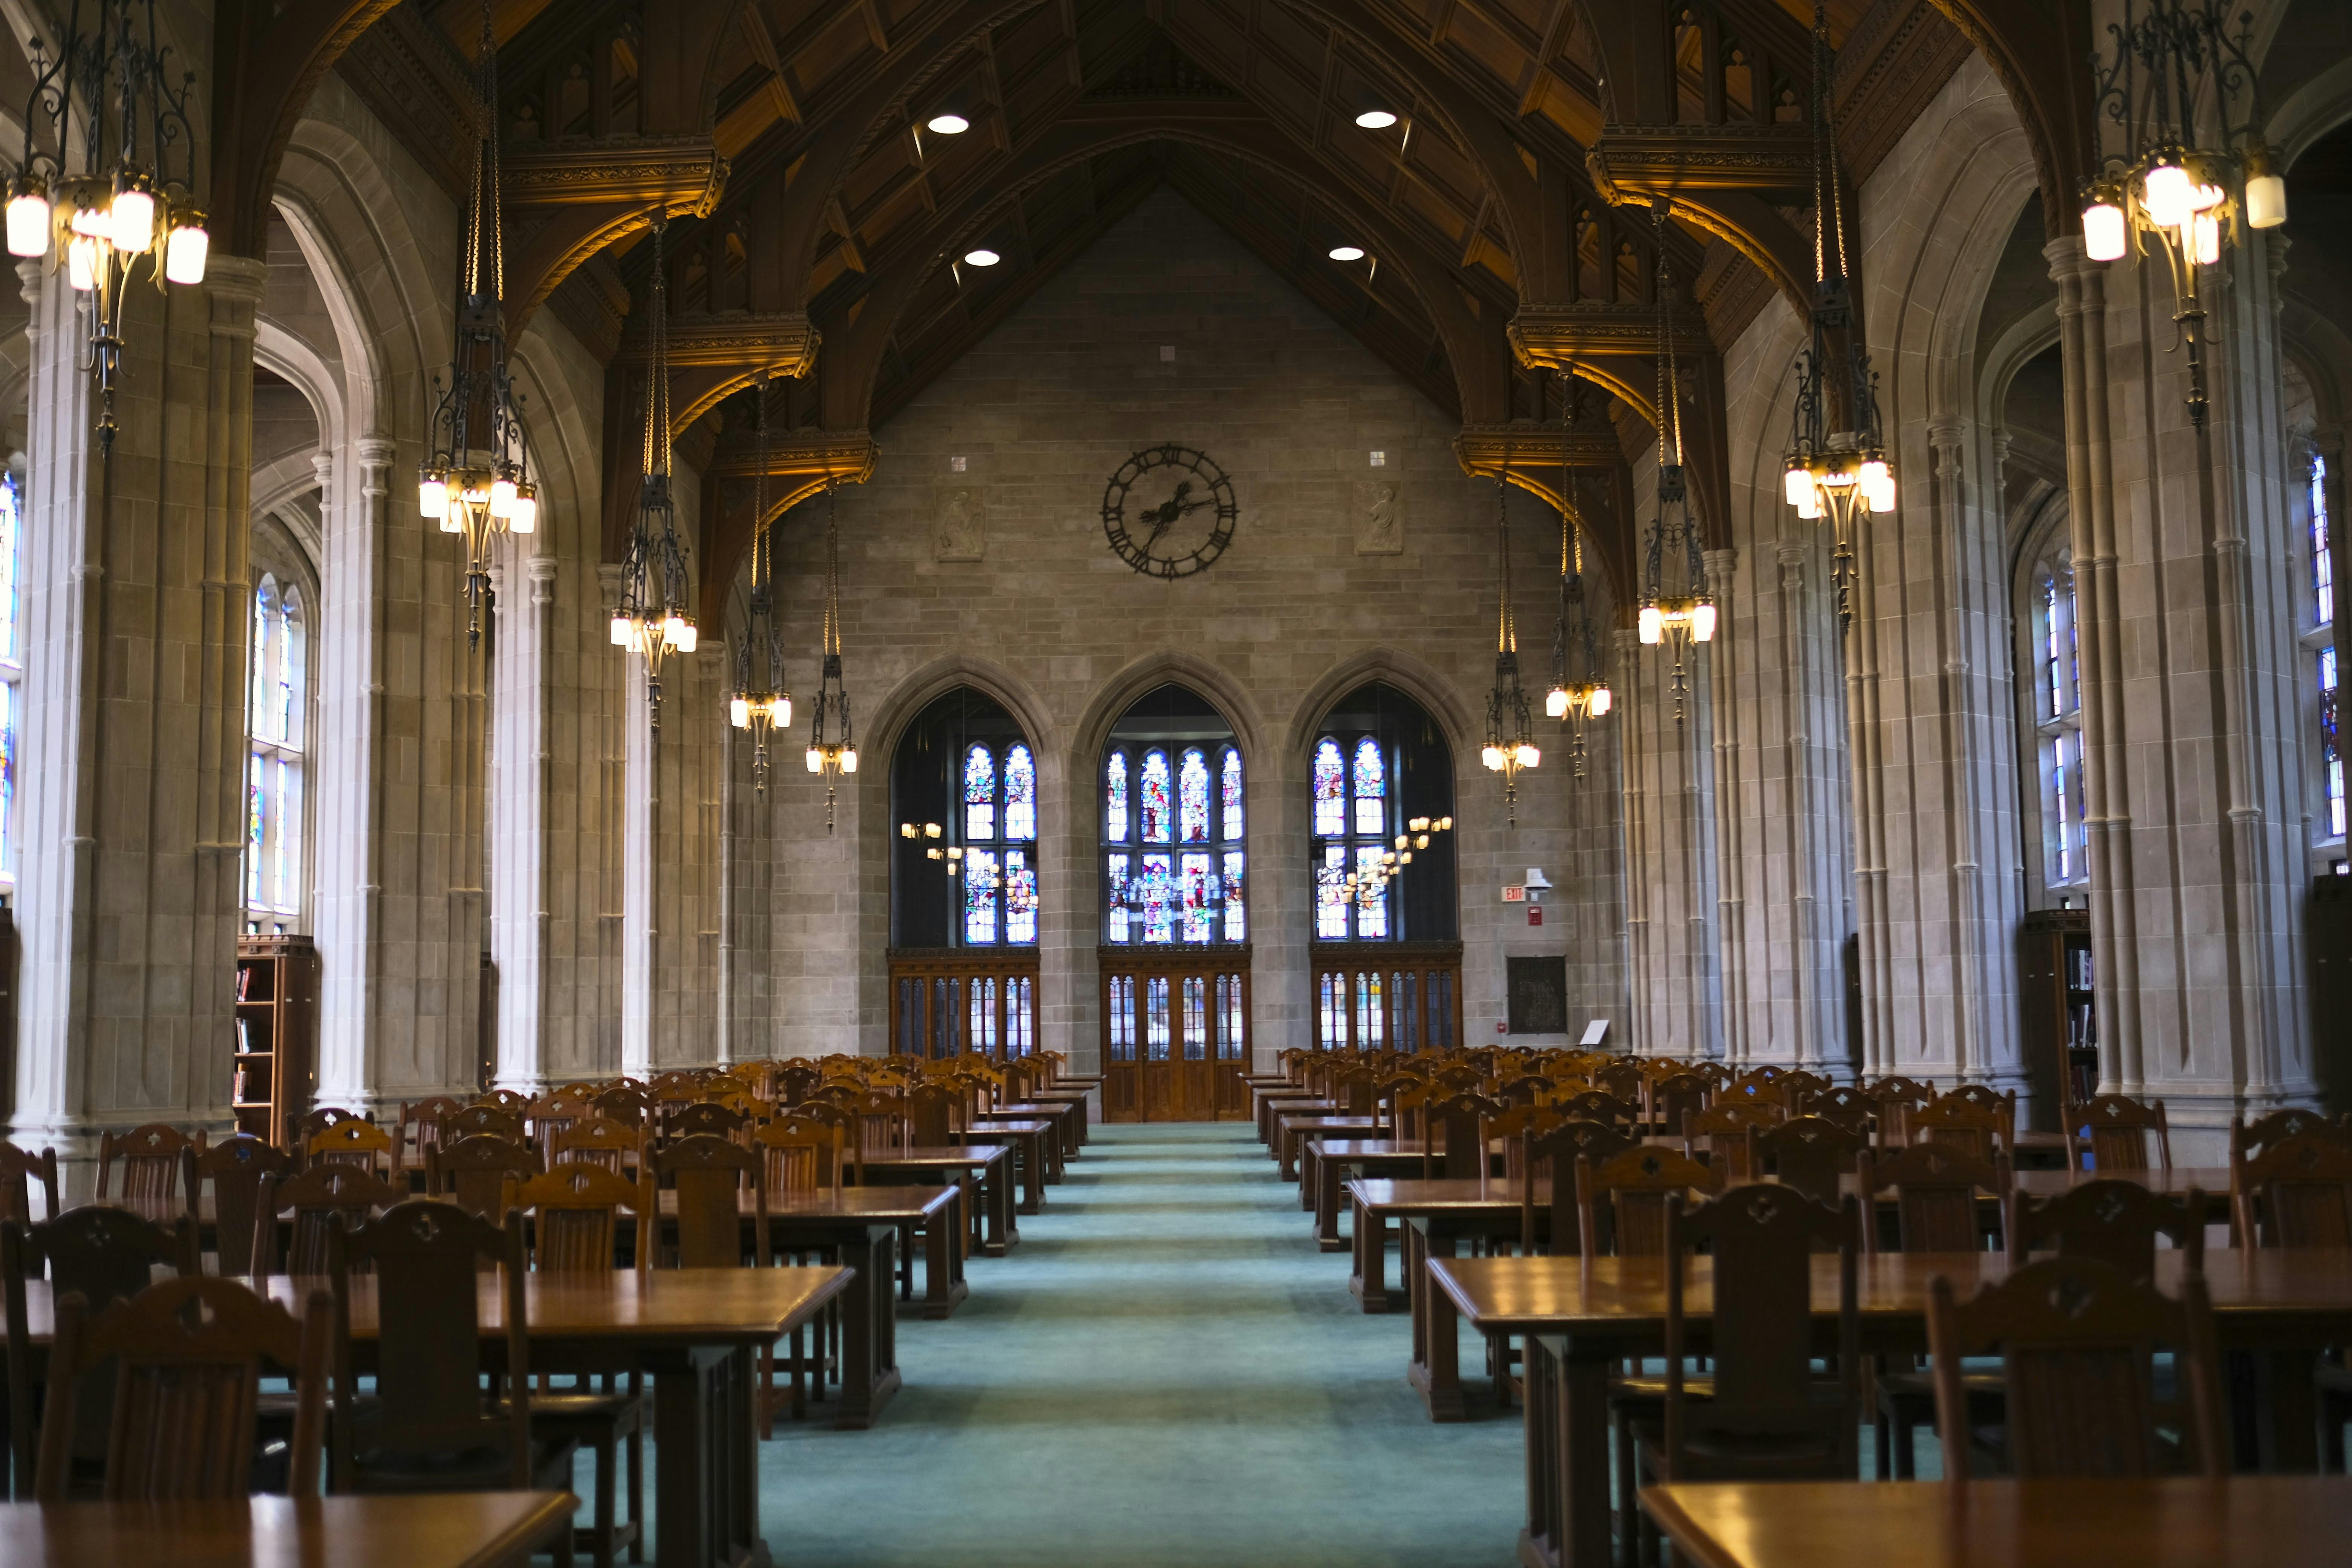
(1168, 511)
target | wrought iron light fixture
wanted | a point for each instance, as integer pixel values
(475, 477)
(2175, 65)
(1510, 745)
(652, 620)
(1677, 606)
(1579, 690)
(833, 748)
(952, 856)
(129, 196)
(763, 707)
(1837, 465)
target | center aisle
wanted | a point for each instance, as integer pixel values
(1165, 1371)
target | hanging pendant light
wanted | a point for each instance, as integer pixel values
(652, 620)
(1676, 608)
(1838, 473)
(763, 707)
(832, 750)
(1578, 691)
(1510, 745)
(2188, 169)
(475, 477)
(106, 92)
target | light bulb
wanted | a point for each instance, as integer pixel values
(131, 224)
(1881, 496)
(502, 497)
(1404, 856)
(1376, 119)
(1419, 824)
(1702, 623)
(2104, 231)
(933, 854)
(1493, 757)
(1346, 253)
(1556, 702)
(1810, 506)
(2208, 239)
(2204, 198)
(779, 712)
(1446, 825)
(624, 629)
(524, 516)
(906, 830)
(1601, 700)
(185, 252)
(930, 830)
(88, 221)
(81, 263)
(2266, 204)
(452, 520)
(1652, 624)
(28, 222)
(816, 760)
(947, 122)
(1529, 756)
(980, 255)
(1796, 485)
(1421, 841)
(739, 712)
(1403, 839)
(2163, 194)
(676, 628)
(849, 759)
(433, 496)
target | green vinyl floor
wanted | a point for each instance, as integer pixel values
(1165, 1371)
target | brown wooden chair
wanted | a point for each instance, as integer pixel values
(320, 1200)
(1676, 1095)
(705, 1118)
(1842, 1104)
(574, 1213)
(1726, 1132)
(580, 1093)
(709, 1175)
(418, 1132)
(1620, 1078)
(1599, 1105)
(2296, 1193)
(1762, 1414)
(2116, 1222)
(235, 1166)
(601, 1141)
(1621, 1202)
(19, 1168)
(151, 1163)
(2248, 1139)
(804, 1153)
(549, 1115)
(1893, 1101)
(1458, 1122)
(1809, 1154)
(2115, 1131)
(187, 1359)
(315, 1122)
(354, 1142)
(1550, 1154)
(1959, 1123)
(505, 1099)
(475, 1172)
(2077, 1339)
(622, 1104)
(478, 1118)
(431, 1428)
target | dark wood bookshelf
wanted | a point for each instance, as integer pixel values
(2059, 1011)
(274, 1066)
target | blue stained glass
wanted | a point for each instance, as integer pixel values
(2331, 745)
(2323, 558)
(1196, 1018)
(1020, 898)
(1231, 789)
(979, 794)
(1020, 795)
(1330, 790)
(1202, 898)
(1116, 901)
(979, 896)
(1371, 914)
(1155, 1019)
(1192, 794)
(1115, 799)
(7, 778)
(1237, 907)
(1331, 895)
(1372, 788)
(1153, 793)
(254, 820)
(1154, 899)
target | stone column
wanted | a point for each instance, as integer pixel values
(1670, 854)
(136, 606)
(639, 941)
(518, 817)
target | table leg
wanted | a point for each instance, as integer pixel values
(1309, 1157)
(1286, 1155)
(996, 1185)
(1370, 1280)
(1033, 1173)
(943, 1285)
(1326, 1206)
(869, 1329)
(706, 1459)
(1436, 1367)
(1567, 1454)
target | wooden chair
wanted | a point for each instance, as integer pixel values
(235, 1166)
(2296, 1193)
(102, 1254)
(2078, 1338)
(622, 1104)
(1459, 1122)
(418, 1132)
(803, 1153)
(2115, 1130)
(598, 1141)
(1726, 1131)
(1764, 1416)
(2116, 1222)
(475, 1172)
(1809, 1154)
(1551, 1153)
(1675, 1096)
(151, 1162)
(1630, 1189)
(430, 1429)
(549, 1115)
(1843, 1105)
(1893, 1101)
(360, 1144)
(19, 1168)
(1959, 1123)
(709, 1173)
(1622, 1079)
(578, 1093)
(2248, 1139)
(574, 1211)
(505, 1099)
(318, 1121)
(705, 1118)
(1598, 1105)
(478, 1118)
(187, 1359)
(1797, 1086)
(322, 1200)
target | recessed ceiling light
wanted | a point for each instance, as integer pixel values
(1346, 253)
(983, 257)
(947, 123)
(1376, 119)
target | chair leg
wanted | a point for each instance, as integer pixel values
(607, 1462)
(1628, 1537)
(766, 1393)
(637, 1476)
(1906, 1451)
(800, 1371)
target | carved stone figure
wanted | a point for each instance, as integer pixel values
(961, 533)
(1380, 517)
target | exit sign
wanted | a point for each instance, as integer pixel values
(1515, 894)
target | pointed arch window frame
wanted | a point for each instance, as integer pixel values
(278, 698)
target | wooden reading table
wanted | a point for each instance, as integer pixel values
(1326, 1163)
(459, 1529)
(1069, 1116)
(1292, 1128)
(1039, 1147)
(990, 1164)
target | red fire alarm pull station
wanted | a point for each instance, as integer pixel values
(1535, 914)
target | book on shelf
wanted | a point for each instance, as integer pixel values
(244, 981)
(244, 1036)
(236, 1095)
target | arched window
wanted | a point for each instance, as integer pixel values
(2055, 850)
(965, 769)
(12, 668)
(2319, 646)
(1174, 862)
(276, 710)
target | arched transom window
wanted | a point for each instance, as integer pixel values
(1174, 862)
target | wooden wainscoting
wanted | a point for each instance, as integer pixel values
(945, 1001)
(1176, 1022)
(1388, 995)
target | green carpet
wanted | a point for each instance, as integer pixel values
(1165, 1371)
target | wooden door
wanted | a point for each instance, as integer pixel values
(1175, 1034)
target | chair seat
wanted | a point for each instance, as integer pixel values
(481, 1469)
(1741, 1455)
(566, 1409)
(1642, 1388)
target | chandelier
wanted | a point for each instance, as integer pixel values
(1579, 694)
(825, 755)
(651, 619)
(2175, 194)
(1510, 745)
(766, 707)
(1676, 608)
(1365, 884)
(107, 89)
(475, 477)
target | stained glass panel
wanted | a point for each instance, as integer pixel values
(290, 670)
(12, 573)
(254, 823)
(1202, 898)
(1122, 1017)
(1196, 1018)
(1371, 914)
(1232, 1023)
(1237, 907)
(979, 794)
(289, 838)
(1155, 1018)
(1152, 797)
(7, 778)
(1115, 799)
(1330, 790)
(1331, 895)
(1116, 899)
(265, 626)
(1020, 795)
(2331, 742)
(1372, 788)
(1020, 897)
(1192, 796)
(1232, 791)
(1154, 899)
(979, 896)
(2322, 557)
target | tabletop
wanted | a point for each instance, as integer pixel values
(465, 1529)
(1385, 1196)
(2174, 1522)
(882, 1204)
(962, 1154)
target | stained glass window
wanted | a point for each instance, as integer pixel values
(1152, 797)
(1155, 1017)
(2331, 744)
(1331, 895)
(1237, 907)
(277, 697)
(1020, 898)
(1192, 795)
(1114, 798)
(1196, 1018)
(1116, 895)
(1372, 788)
(1231, 769)
(12, 667)
(2323, 556)
(1330, 789)
(1202, 897)
(2058, 723)
(979, 795)
(1154, 896)
(1371, 911)
(2321, 643)
(1020, 795)
(979, 891)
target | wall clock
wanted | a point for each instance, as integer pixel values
(1168, 511)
